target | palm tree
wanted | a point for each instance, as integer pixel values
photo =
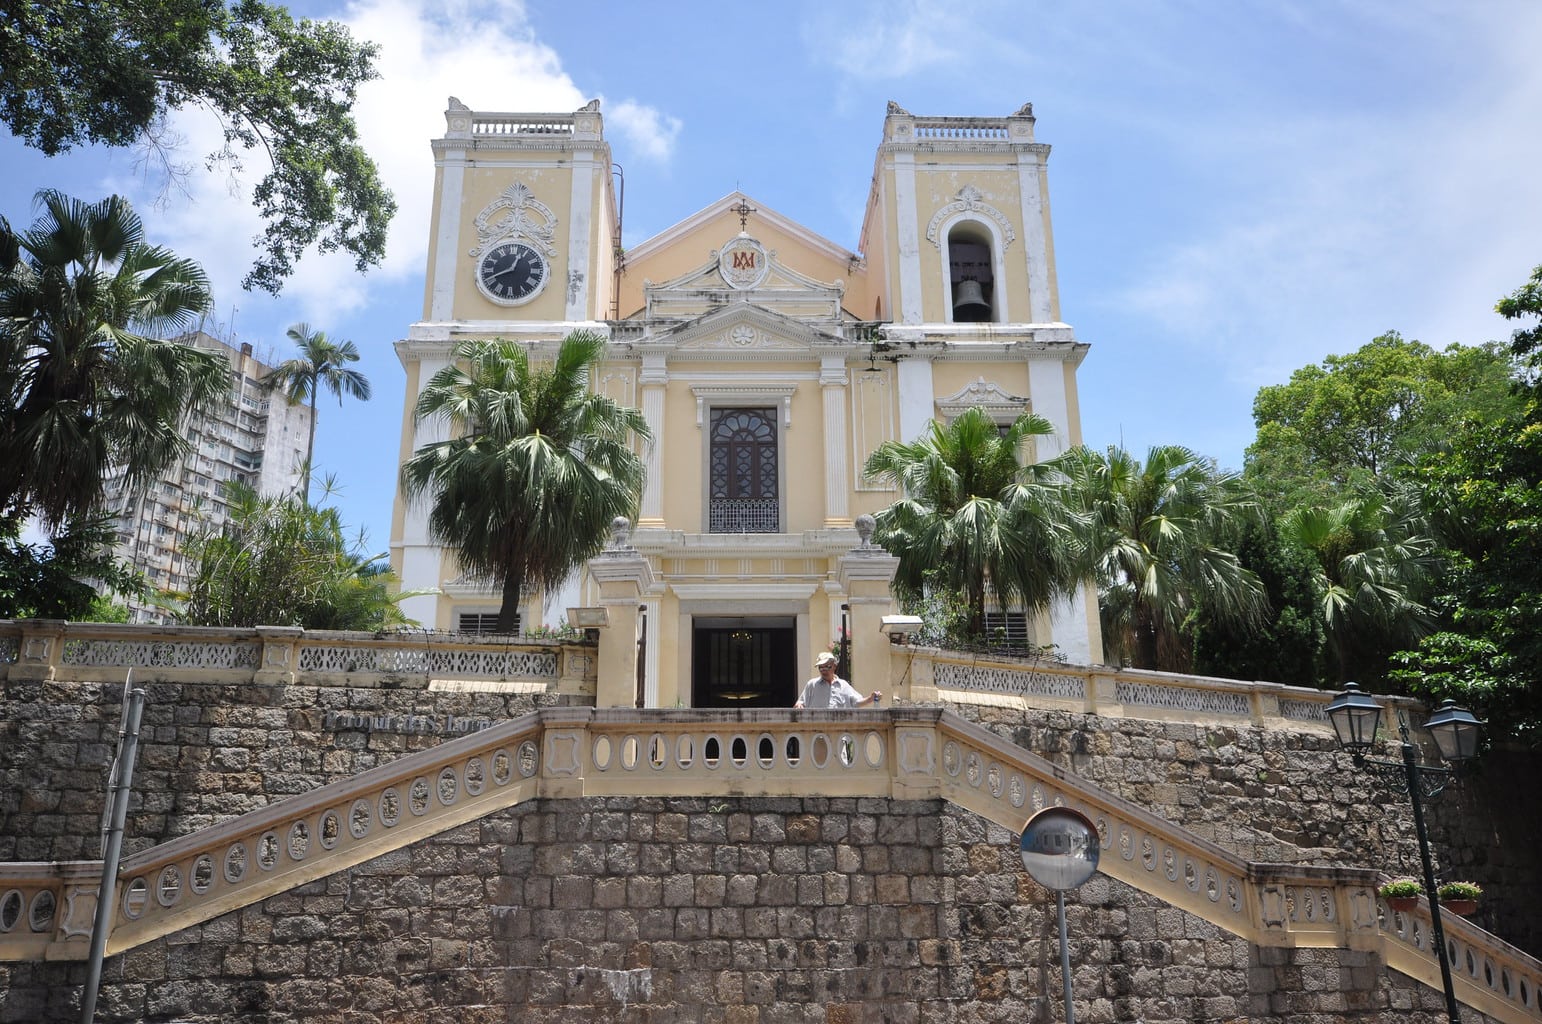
(322, 363)
(1154, 543)
(538, 470)
(82, 388)
(977, 512)
(1376, 556)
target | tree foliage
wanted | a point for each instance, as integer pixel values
(322, 363)
(280, 561)
(1158, 542)
(108, 72)
(538, 468)
(81, 388)
(1357, 417)
(1375, 564)
(65, 578)
(975, 513)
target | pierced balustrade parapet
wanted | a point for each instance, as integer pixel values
(104, 652)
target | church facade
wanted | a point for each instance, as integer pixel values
(768, 361)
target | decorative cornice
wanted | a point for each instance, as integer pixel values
(989, 396)
(744, 392)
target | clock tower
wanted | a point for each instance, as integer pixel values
(522, 246)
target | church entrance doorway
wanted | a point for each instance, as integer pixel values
(744, 663)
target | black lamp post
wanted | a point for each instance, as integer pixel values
(1355, 717)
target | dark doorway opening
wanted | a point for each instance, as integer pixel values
(745, 663)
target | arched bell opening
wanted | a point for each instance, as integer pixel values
(971, 274)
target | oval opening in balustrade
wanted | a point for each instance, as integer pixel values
(1488, 972)
(685, 751)
(418, 796)
(1472, 966)
(361, 818)
(135, 898)
(529, 761)
(203, 874)
(793, 752)
(299, 840)
(739, 751)
(503, 768)
(846, 749)
(767, 751)
(390, 807)
(603, 752)
(449, 786)
(168, 888)
(658, 751)
(40, 917)
(820, 752)
(712, 751)
(10, 910)
(631, 749)
(872, 753)
(267, 851)
(235, 862)
(476, 777)
(1504, 982)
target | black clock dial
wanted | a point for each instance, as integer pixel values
(512, 272)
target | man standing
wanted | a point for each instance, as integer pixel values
(828, 690)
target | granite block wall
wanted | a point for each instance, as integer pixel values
(723, 911)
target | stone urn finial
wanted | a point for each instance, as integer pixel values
(865, 525)
(620, 533)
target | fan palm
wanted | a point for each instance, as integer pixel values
(1154, 541)
(538, 470)
(81, 389)
(322, 363)
(1376, 555)
(976, 512)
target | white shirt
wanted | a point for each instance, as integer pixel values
(835, 694)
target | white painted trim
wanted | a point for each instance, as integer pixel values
(833, 378)
(1035, 242)
(764, 592)
(910, 304)
(915, 398)
(1047, 397)
(1068, 629)
(651, 662)
(447, 241)
(580, 218)
(998, 265)
(653, 455)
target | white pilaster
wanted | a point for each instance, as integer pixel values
(916, 402)
(580, 219)
(655, 375)
(909, 238)
(1035, 243)
(832, 378)
(447, 240)
(1069, 631)
(1047, 395)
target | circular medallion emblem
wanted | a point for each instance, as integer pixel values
(743, 263)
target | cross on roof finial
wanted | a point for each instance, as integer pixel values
(744, 209)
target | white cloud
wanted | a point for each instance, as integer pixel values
(886, 40)
(651, 132)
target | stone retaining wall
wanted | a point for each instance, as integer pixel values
(730, 911)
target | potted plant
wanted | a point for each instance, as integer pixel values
(1459, 897)
(1401, 894)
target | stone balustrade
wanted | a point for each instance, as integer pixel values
(905, 753)
(927, 674)
(46, 649)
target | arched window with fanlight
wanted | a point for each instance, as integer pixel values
(972, 285)
(743, 470)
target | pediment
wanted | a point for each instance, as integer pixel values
(1000, 404)
(742, 329)
(743, 269)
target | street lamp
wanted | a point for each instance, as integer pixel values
(1355, 717)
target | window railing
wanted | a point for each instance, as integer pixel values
(744, 515)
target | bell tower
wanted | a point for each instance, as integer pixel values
(522, 245)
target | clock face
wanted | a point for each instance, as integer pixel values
(511, 273)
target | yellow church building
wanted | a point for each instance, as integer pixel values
(769, 363)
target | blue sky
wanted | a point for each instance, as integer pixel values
(1238, 188)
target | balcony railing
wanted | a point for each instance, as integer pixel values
(744, 515)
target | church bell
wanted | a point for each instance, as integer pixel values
(969, 305)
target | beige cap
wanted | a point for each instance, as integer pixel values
(825, 658)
